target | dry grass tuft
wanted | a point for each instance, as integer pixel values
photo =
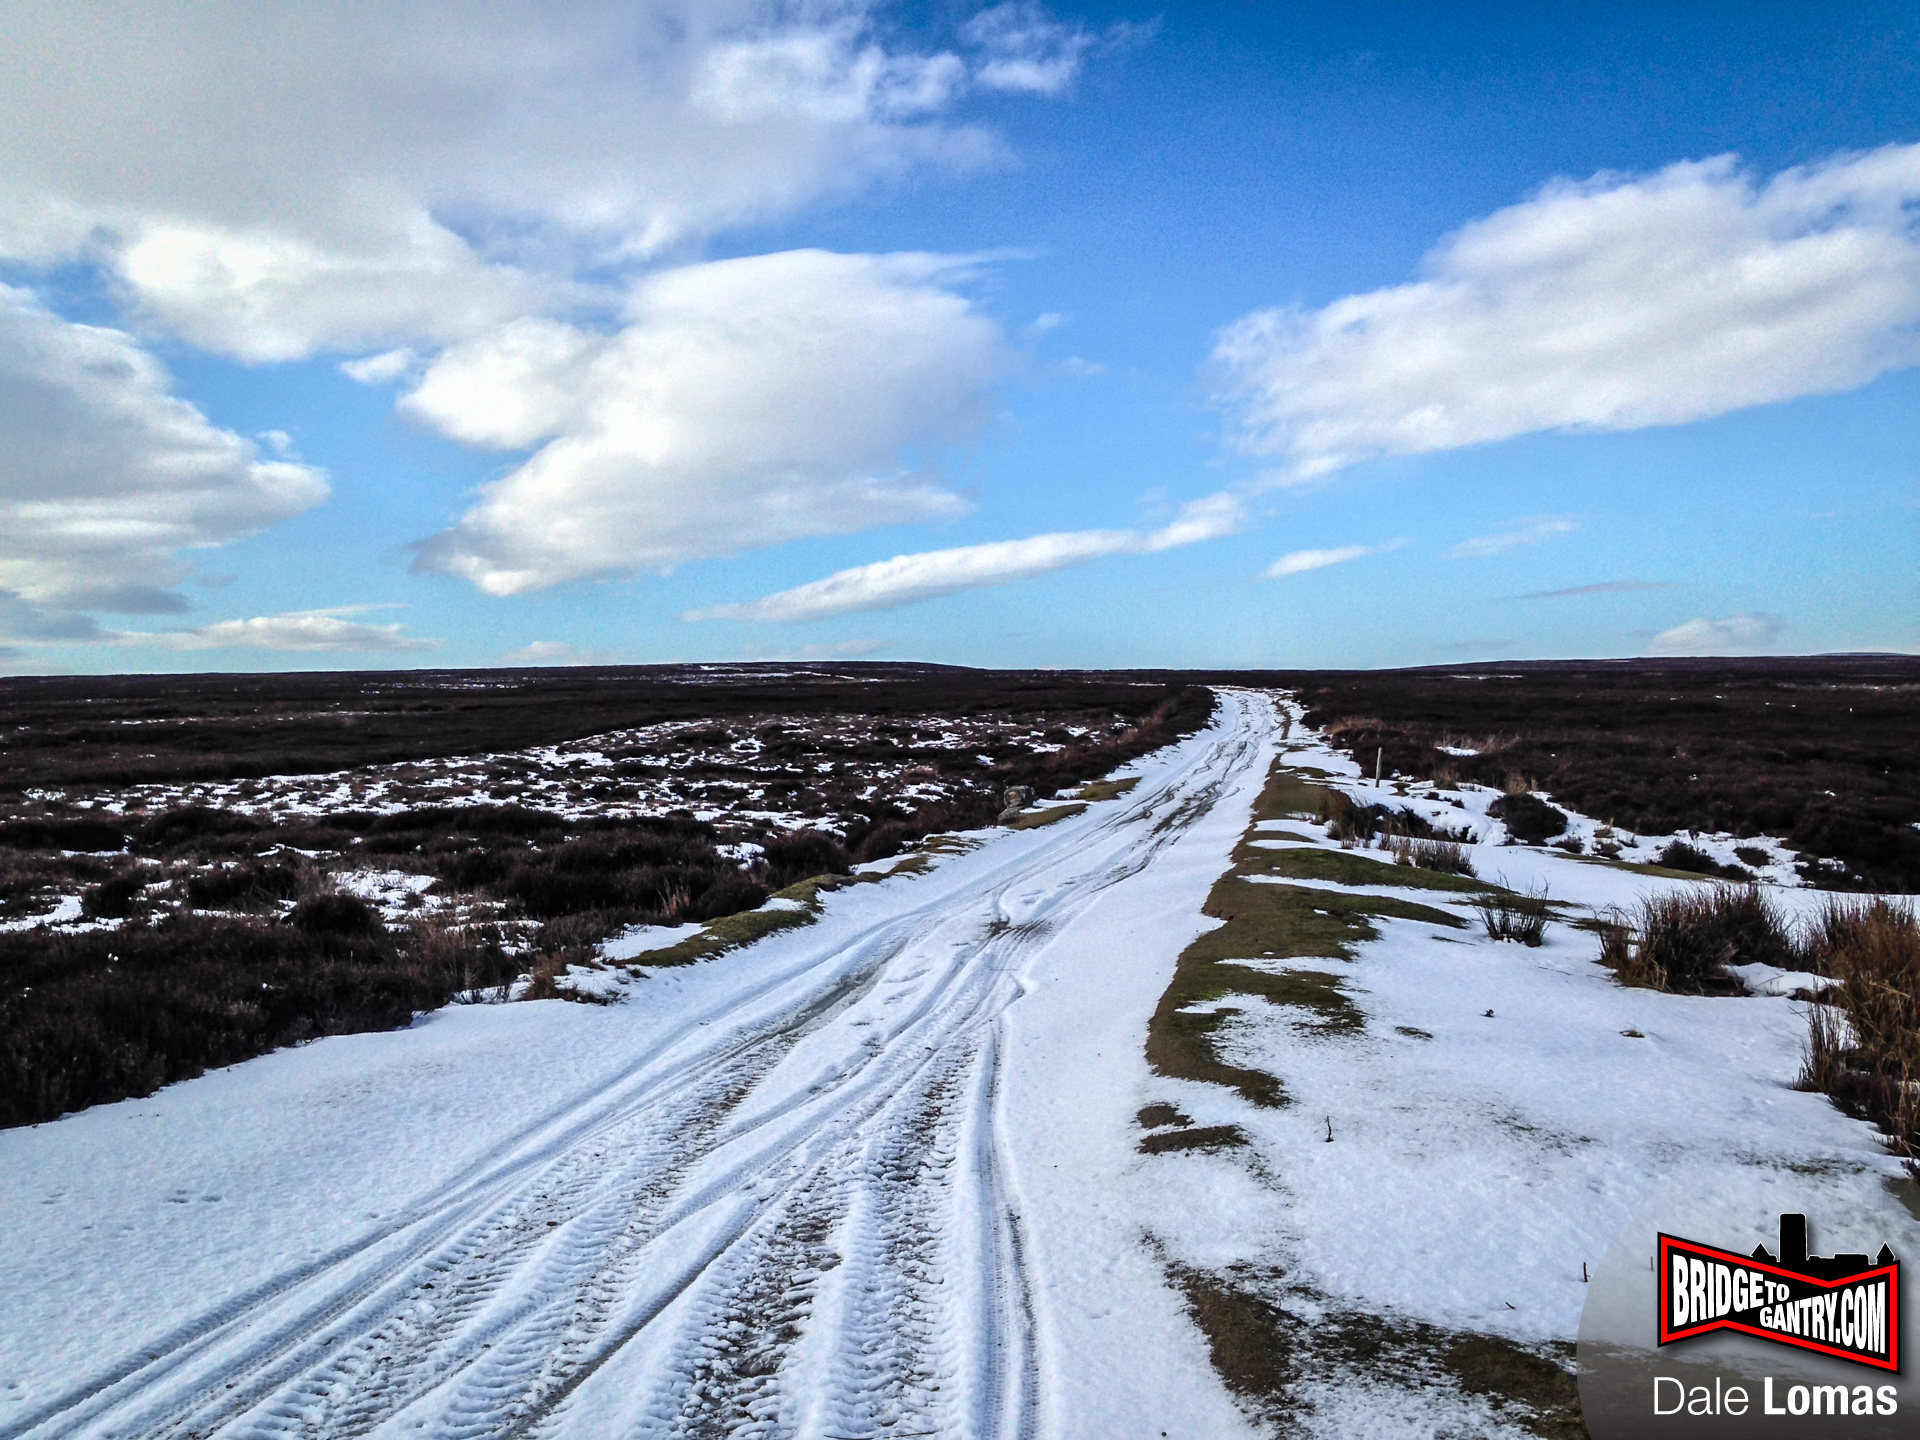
(1683, 942)
(1863, 1048)
(1449, 857)
(1518, 917)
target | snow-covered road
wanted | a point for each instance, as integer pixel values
(872, 1177)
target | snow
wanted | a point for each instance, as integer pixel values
(1771, 980)
(639, 939)
(879, 1174)
(65, 911)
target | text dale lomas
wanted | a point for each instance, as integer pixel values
(1846, 1306)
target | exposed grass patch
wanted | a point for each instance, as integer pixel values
(1263, 1351)
(1266, 923)
(1097, 790)
(1290, 794)
(1152, 1117)
(1347, 867)
(1642, 867)
(730, 932)
(1206, 1137)
(1037, 818)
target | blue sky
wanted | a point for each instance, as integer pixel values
(1212, 335)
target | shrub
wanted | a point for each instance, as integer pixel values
(97, 1016)
(114, 898)
(1351, 822)
(1685, 941)
(802, 854)
(1678, 855)
(1528, 818)
(193, 823)
(242, 887)
(1345, 820)
(1510, 916)
(91, 836)
(1863, 1046)
(1445, 855)
(1616, 940)
(335, 915)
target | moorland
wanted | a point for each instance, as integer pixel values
(198, 869)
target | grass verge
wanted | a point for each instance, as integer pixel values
(1048, 816)
(1264, 1352)
(1348, 867)
(1266, 923)
(731, 932)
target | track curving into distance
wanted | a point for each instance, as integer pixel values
(792, 1219)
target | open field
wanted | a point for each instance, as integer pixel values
(181, 887)
(1220, 1091)
(1820, 752)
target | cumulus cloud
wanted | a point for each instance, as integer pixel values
(297, 630)
(1604, 587)
(1298, 562)
(107, 477)
(1513, 535)
(268, 181)
(1611, 304)
(742, 404)
(1734, 635)
(908, 579)
(456, 201)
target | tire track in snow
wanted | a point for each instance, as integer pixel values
(793, 1208)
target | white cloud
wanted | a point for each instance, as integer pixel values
(381, 369)
(1298, 562)
(908, 579)
(298, 630)
(1732, 636)
(106, 477)
(744, 403)
(1027, 49)
(1512, 535)
(481, 183)
(548, 652)
(1613, 304)
(269, 181)
(1604, 587)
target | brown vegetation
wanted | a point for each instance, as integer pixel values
(1864, 1043)
(1683, 942)
(1823, 752)
(230, 935)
